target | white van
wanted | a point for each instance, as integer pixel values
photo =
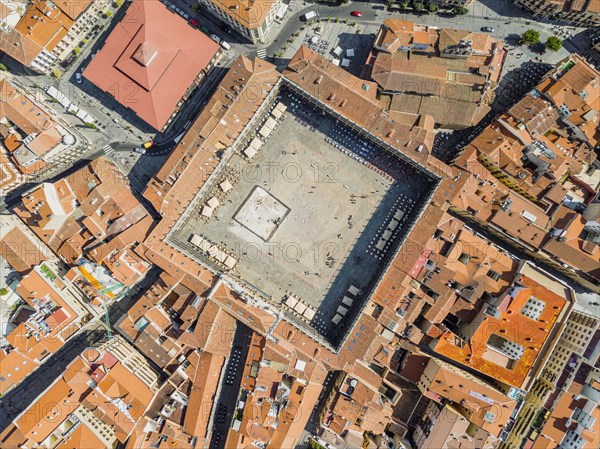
(225, 45)
(309, 15)
(215, 38)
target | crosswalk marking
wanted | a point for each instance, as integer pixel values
(262, 53)
(108, 150)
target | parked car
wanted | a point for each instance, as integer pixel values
(139, 150)
(356, 14)
(215, 38)
(193, 22)
(225, 45)
(78, 78)
(487, 29)
(149, 144)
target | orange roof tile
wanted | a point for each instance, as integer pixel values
(153, 68)
(512, 325)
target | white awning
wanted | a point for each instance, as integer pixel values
(221, 256)
(393, 225)
(341, 310)
(386, 235)
(271, 122)
(281, 11)
(226, 186)
(347, 301)
(230, 262)
(291, 301)
(265, 131)
(256, 143)
(207, 211)
(213, 202)
(345, 62)
(336, 319)
(315, 39)
(300, 307)
(309, 313)
(336, 62)
(250, 152)
(276, 113)
(353, 290)
(399, 214)
(350, 52)
(338, 51)
(380, 244)
(196, 239)
(281, 107)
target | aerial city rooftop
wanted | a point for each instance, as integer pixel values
(282, 226)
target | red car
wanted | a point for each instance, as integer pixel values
(356, 13)
(194, 22)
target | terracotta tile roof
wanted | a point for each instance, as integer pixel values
(355, 99)
(511, 325)
(72, 8)
(19, 47)
(21, 111)
(19, 250)
(45, 24)
(115, 218)
(575, 85)
(250, 13)
(153, 68)
(205, 384)
(578, 253)
(81, 437)
(486, 407)
(452, 90)
(52, 402)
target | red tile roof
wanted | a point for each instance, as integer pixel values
(149, 61)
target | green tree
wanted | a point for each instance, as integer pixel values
(3, 291)
(461, 10)
(403, 6)
(3, 68)
(433, 7)
(389, 3)
(91, 125)
(418, 6)
(553, 43)
(196, 7)
(531, 37)
(77, 50)
(107, 14)
(56, 73)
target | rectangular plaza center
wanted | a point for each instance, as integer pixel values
(306, 211)
(295, 212)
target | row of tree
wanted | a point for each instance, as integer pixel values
(532, 37)
(422, 7)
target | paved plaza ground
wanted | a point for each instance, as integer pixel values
(314, 212)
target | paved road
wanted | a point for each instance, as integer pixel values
(16, 400)
(225, 404)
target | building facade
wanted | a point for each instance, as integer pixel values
(253, 19)
(48, 32)
(580, 13)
